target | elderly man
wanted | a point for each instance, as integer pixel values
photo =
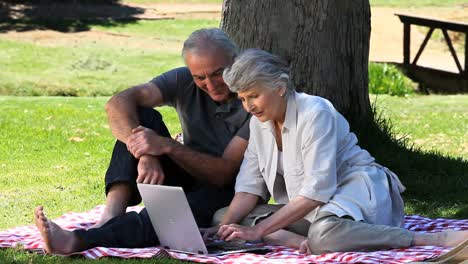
(215, 129)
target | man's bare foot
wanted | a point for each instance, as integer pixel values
(58, 241)
(116, 203)
(447, 238)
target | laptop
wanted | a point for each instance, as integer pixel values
(175, 225)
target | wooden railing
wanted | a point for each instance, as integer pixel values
(432, 24)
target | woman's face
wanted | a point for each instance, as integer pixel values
(264, 103)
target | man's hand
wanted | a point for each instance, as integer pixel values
(150, 170)
(145, 141)
(235, 231)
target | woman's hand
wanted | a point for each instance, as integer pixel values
(235, 231)
(209, 232)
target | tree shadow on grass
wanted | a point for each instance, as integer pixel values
(64, 16)
(436, 184)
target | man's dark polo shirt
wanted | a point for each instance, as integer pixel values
(207, 126)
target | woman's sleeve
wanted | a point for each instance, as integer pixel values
(319, 148)
(250, 179)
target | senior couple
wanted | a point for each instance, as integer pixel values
(240, 115)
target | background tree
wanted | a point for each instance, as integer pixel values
(326, 43)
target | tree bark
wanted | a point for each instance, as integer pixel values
(326, 43)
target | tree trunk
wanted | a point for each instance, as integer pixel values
(326, 43)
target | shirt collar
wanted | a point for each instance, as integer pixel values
(290, 119)
(234, 103)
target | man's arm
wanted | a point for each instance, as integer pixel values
(122, 108)
(218, 171)
(123, 117)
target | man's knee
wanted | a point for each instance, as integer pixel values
(151, 118)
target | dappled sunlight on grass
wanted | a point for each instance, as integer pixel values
(55, 151)
(432, 123)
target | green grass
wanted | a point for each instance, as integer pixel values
(432, 123)
(18, 256)
(95, 68)
(54, 151)
(388, 79)
(435, 174)
(87, 70)
(416, 3)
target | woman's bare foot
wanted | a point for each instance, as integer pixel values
(284, 238)
(452, 238)
(58, 241)
(447, 238)
(304, 248)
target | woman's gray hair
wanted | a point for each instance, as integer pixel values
(255, 67)
(206, 38)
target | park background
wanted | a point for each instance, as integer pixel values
(56, 74)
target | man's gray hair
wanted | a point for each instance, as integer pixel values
(255, 67)
(207, 38)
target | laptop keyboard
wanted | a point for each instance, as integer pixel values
(227, 245)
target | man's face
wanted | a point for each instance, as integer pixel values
(207, 71)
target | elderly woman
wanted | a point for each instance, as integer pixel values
(331, 195)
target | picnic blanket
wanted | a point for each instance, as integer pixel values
(29, 238)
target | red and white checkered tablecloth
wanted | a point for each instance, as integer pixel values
(29, 238)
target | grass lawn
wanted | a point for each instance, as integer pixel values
(433, 164)
(54, 150)
(432, 123)
(96, 64)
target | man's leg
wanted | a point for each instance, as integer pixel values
(131, 230)
(121, 190)
(205, 201)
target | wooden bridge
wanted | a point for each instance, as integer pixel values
(435, 80)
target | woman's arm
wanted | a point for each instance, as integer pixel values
(241, 205)
(293, 211)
